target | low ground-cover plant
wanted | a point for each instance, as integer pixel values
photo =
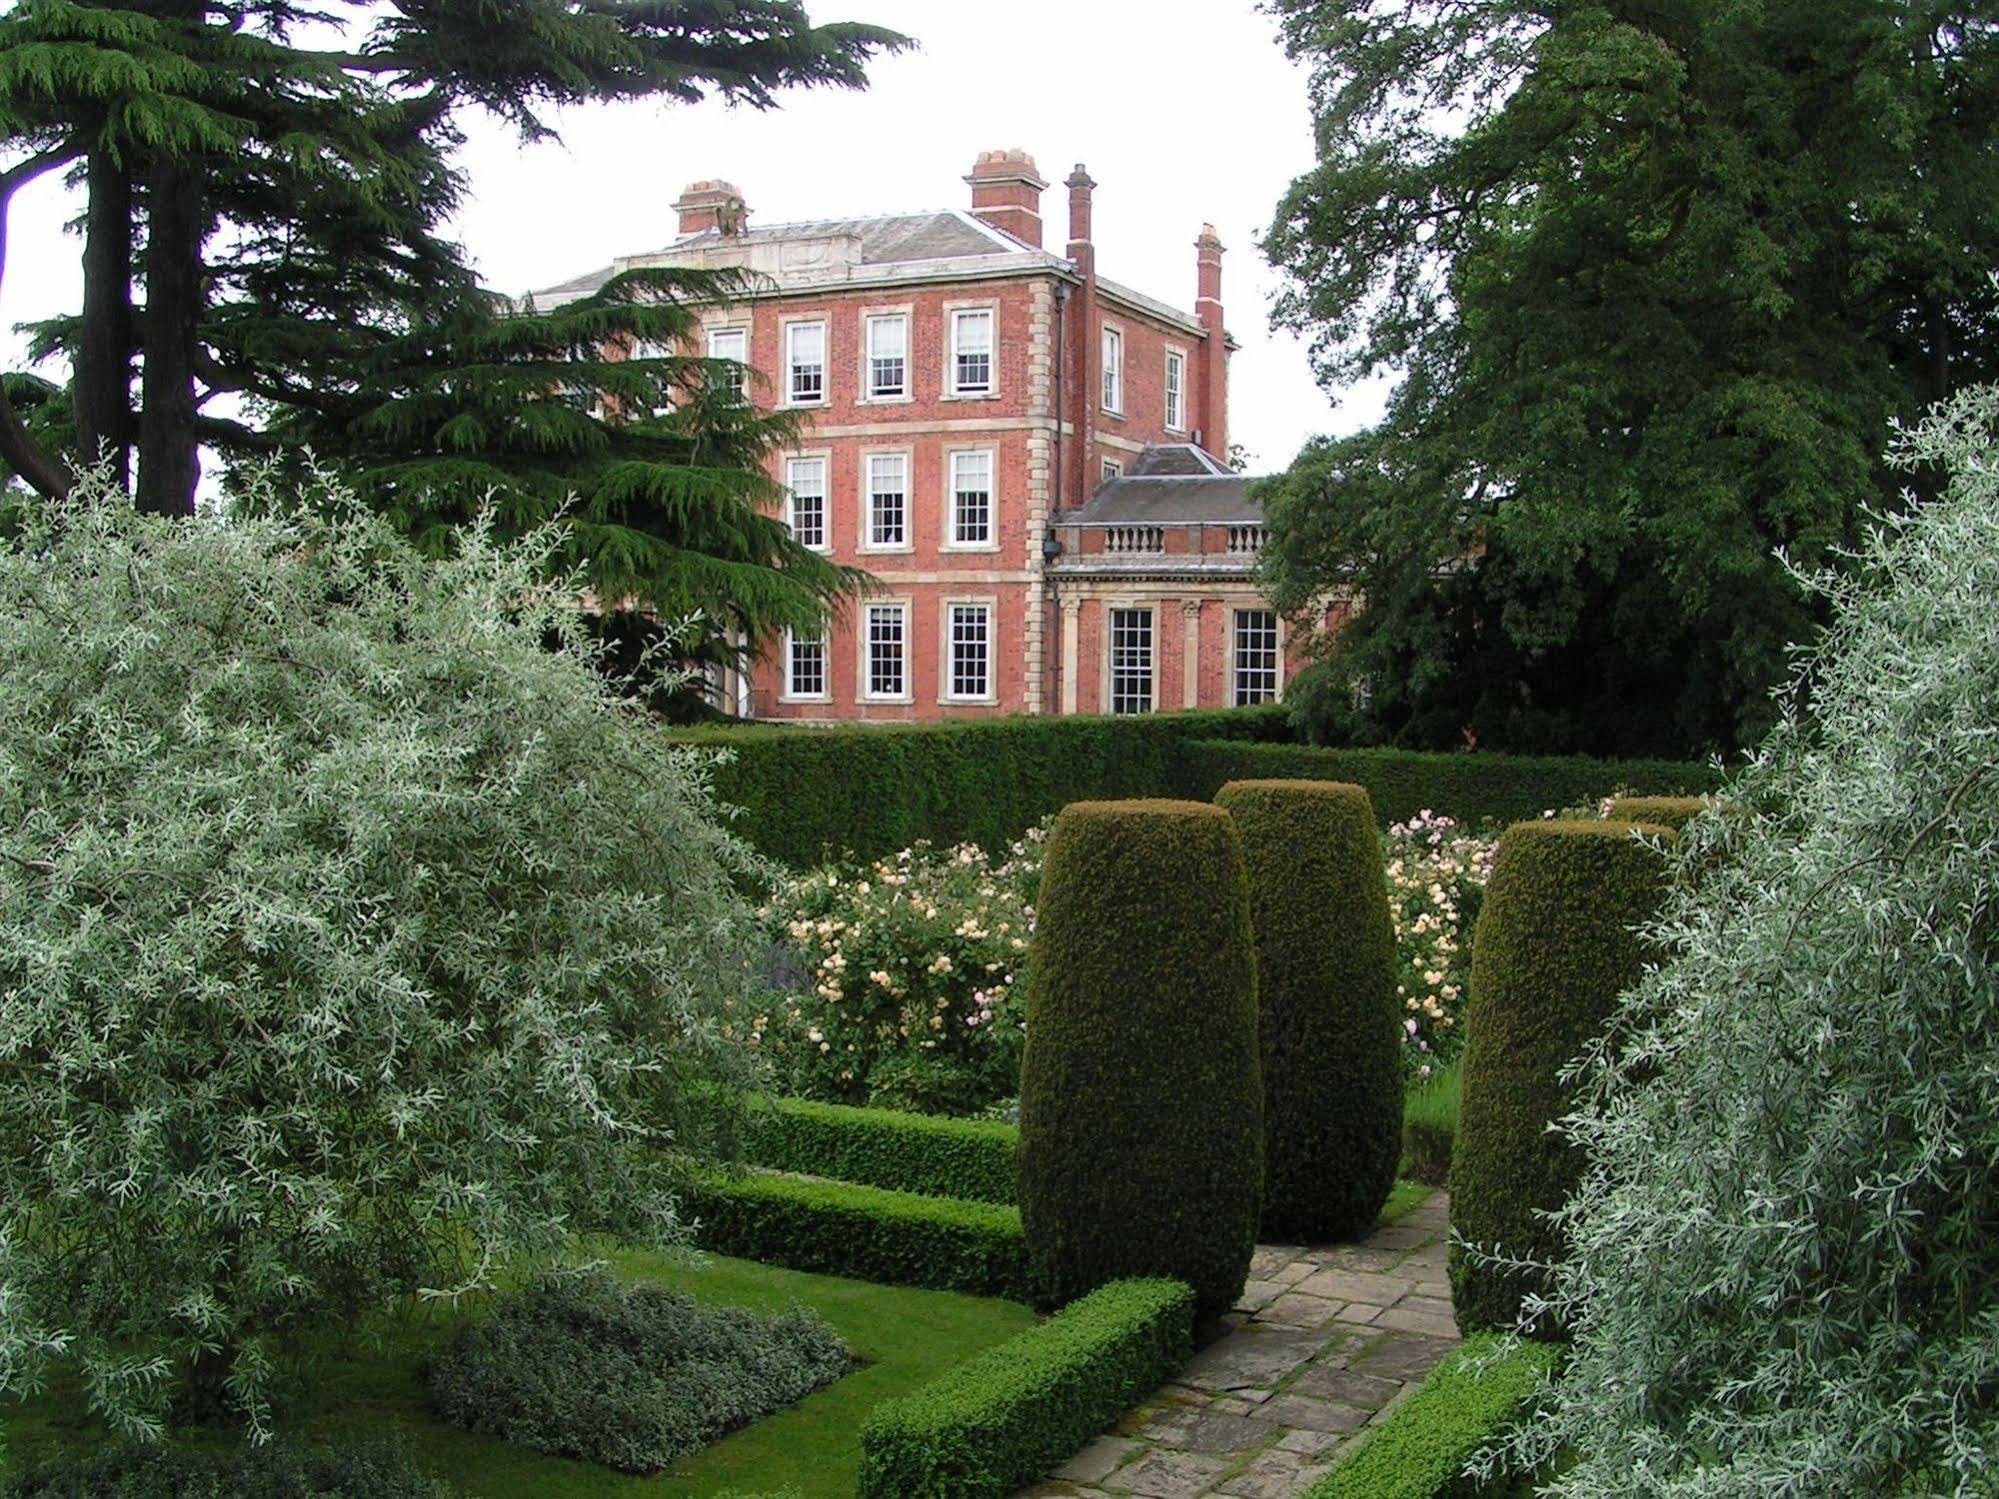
(276, 1470)
(630, 1376)
(353, 942)
(910, 995)
(1420, 1451)
(837, 1228)
(1003, 1419)
(1783, 1275)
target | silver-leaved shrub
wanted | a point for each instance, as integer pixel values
(353, 943)
(1784, 1273)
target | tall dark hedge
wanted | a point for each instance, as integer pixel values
(1473, 788)
(1326, 1017)
(1553, 949)
(1141, 1108)
(871, 789)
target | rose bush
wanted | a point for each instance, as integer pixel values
(1437, 869)
(906, 982)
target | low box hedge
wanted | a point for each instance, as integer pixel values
(871, 789)
(973, 1159)
(836, 1228)
(1004, 1419)
(1419, 1451)
(1472, 788)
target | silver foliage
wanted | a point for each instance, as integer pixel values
(1784, 1276)
(352, 943)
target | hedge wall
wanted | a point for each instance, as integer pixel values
(966, 1158)
(1420, 1450)
(833, 1228)
(1005, 1418)
(1141, 1100)
(1328, 1023)
(1471, 788)
(872, 789)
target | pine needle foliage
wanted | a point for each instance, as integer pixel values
(589, 415)
(353, 943)
(1784, 1275)
(265, 266)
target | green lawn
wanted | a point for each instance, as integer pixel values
(907, 1338)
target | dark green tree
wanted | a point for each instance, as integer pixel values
(1652, 276)
(263, 268)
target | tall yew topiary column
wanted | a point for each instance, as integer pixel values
(1554, 948)
(1326, 1020)
(1141, 1118)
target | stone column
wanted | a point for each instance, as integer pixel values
(1071, 609)
(1190, 663)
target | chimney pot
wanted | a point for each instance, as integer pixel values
(711, 206)
(1080, 185)
(1006, 192)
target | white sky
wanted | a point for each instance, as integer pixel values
(1184, 111)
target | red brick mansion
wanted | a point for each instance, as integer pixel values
(1023, 452)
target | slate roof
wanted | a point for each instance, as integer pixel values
(1169, 500)
(886, 240)
(1165, 458)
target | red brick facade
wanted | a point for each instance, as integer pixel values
(964, 484)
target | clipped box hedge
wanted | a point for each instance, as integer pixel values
(869, 1233)
(1419, 1451)
(872, 789)
(969, 1158)
(1472, 788)
(1005, 1418)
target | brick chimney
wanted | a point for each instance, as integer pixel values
(1006, 192)
(1082, 374)
(1211, 393)
(710, 206)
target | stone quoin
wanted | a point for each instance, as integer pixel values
(1028, 456)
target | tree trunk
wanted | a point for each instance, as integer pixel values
(104, 346)
(176, 225)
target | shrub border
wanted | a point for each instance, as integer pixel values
(1005, 1418)
(868, 1233)
(969, 1159)
(1420, 1449)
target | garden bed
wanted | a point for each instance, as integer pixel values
(906, 1339)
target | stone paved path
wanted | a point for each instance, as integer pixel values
(1327, 1340)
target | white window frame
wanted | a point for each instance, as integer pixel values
(791, 331)
(1174, 393)
(739, 380)
(1236, 614)
(953, 541)
(791, 694)
(825, 497)
(1110, 469)
(869, 318)
(947, 661)
(1110, 345)
(906, 459)
(864, 655)
(1151, 612)
(954, 314)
